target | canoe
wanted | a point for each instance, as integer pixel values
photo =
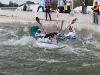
(41, 44)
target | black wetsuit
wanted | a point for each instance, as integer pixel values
(50, 34)
(48, 6)
(24, 8)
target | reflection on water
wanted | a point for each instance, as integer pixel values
(19, 57)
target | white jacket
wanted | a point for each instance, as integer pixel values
(37, 34)
(60, 3)
(45, 40)
(41, 3)
(71, 34)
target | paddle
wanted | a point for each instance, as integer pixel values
(62, 23)
(73, 21)
(38, 20)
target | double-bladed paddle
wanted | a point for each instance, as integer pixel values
(73, 21)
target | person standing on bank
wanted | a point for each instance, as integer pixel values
(95, 13)
(98, 4)
(68, 2)
(24, 7)
(28, 8)
(61, 5)
(41, 5)
(48, 6)
(84, 6)
(65, 8)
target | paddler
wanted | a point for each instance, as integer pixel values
(38, 33)
(48, 37)
(70, 35)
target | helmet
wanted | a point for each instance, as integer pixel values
(70, 28)
(39, 31)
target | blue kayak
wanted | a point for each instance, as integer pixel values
(62, 36)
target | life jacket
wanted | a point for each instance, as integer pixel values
(47, 6)
(65, 7)
(71, 34)
(38, 33)
(95, 9)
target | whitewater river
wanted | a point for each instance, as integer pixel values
(19, 57)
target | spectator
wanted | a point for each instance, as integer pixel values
(95, 13)
(96, 1)
(48, 6)
(68, 2)
(98, 4)
(24, 7)
(65, 8)
(28, 7)
(61, 5)
(84, 6)
(49, 1)
(41, 5)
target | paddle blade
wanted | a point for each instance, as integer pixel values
(38, 20)
(74, 20)
(62, 22)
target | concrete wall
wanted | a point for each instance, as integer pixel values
(87, 19)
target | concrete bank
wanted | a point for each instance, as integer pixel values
(31, 15)
(83, 26)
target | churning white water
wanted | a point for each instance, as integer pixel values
(18, 56)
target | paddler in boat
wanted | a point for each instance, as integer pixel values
(48, 38)
(70, 35)
(38, 33)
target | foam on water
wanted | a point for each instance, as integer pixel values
(90, 47)
(25, 40)
(26, 29)
(17, 56)
(49, 60)
(28, 40)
